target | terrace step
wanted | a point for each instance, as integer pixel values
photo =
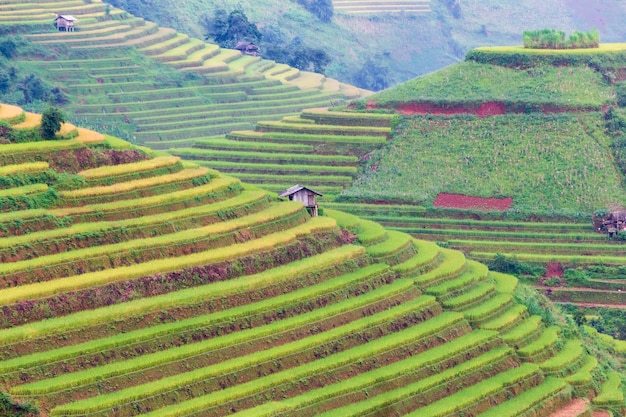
(203, 351)
(533, 398)
(540, 349)
(147, 393)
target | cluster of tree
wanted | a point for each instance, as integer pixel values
(25, 89)
(373, 75)
(226, 29)
(555, 39)
(323, 9)
(298, 55)
(615, 127)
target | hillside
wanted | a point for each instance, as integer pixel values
(136, 283)
(408, 44)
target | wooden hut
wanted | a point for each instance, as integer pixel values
(65, 22)
(305, 195)
(247, 48)
(615, 222)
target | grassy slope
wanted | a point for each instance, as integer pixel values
(545, 162)
(470, 82)
(411, 46)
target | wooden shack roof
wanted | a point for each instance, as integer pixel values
(67, 17)
(246, 46)
(619, 215)
(295, 189)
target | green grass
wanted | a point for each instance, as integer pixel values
(174, 382)
(449, 405)
(548, 338)
(87, 318)
(24, 168)
(306, 138)
(89, 376)
(309, 370)
(279, 168)
(549, 165)
(222, 143)
(572, 351)
(453, 263)
(234, 156)
(527, 399)
(470, 82)
(507, 318)
(363, 381)
(583, 375)
(394, 242)
(522, 330)
(474, 272)
(25, 190)
(245, 198)
(478, 292)
(42, 289)
(610, 392)
(147, 203)
(426, 254)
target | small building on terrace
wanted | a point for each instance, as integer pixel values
(305, 195)
(247, 48)
(65, 22)
(614, 222)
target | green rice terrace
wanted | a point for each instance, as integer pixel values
(154, 85)
(137, 283)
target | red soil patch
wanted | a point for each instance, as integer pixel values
(554, 269)
(489, 108)
(461, 201)
(573, 409)
(601, 414)
(485, 109)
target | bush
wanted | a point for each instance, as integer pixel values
(620, 91)
(555, 39)
(51, 120)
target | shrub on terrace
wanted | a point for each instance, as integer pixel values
(555, 39)
(51, 120)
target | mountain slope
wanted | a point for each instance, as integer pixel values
(409, 45)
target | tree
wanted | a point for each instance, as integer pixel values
(237, 28)
(5, 81)
(51, 120)
(323, 9)
(33, 88)
(306, 58)
(8, 47)
(373, 75)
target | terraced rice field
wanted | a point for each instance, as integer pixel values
(323, 148)
(150, 286)
(374, 7)
(227, 90)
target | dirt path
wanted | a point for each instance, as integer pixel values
(577, 406)
(592, 305)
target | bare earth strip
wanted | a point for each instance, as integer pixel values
(573, 409)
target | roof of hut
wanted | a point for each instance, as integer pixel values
(295, 189)
(67, 17)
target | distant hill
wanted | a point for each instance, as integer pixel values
(407, 44)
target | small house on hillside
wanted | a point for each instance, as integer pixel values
(65, 22)
(247, 48)
(615, 222)
(305, 195)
